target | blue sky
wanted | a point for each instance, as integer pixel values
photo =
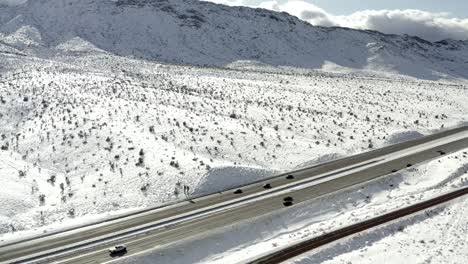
(458, 8)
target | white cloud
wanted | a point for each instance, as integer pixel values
(229, 2)
(303, 10)
(430, 26)
(427, 25)
(11, 2)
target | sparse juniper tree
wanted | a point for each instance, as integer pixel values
(42, 199)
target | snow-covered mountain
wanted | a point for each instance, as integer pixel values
(195, 32)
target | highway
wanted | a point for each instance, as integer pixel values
(162, 226)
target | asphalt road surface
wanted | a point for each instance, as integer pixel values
(202, 214)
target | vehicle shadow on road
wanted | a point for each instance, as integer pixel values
(118, 254)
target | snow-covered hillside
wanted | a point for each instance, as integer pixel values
(195, 32)
(100, 133)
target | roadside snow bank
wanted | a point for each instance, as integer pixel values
(223, 178)
(406, 240)
(403, 136)
(320, 159)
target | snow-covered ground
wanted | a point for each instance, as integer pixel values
(439, 237)
(88, 137)
(101, 133)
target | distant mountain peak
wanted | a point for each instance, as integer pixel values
(204, 33)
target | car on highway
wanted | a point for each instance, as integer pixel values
(117, 249)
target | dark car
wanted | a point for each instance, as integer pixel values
(117, 249)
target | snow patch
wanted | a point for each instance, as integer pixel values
(403, 136)
(320, 159)
(223, 178)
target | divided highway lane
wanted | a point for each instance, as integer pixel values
(44, 245)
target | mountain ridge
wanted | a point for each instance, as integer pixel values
(204, 33)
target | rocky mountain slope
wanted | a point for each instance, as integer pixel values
(195, 32)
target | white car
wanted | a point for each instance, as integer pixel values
(117, 249)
